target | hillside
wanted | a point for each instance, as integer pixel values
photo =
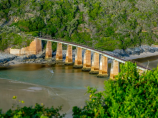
(101, 24)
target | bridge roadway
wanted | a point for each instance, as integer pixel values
(93, 50)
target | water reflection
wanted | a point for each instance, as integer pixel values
(55, 76)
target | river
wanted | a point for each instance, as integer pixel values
(50, 85)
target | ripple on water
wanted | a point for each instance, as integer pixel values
(58, 76)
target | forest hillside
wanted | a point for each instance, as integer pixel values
(101, 24)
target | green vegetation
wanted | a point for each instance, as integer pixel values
(130, 95)
(101, 24)
(39, 111)
(11, 37)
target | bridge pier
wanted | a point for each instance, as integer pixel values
(78, 58)
(103, 69)
(87, 61)
(38, 46)
(68, 60)
(95, 64)
(114, 69)
(59, 53)
(48, 50)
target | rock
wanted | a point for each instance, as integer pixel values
(25, 57)
(141, 50)
(94, 72)
(86, 69)
(21, 58)
(151, 49)
(102, 75)
(121, 52)
(137, 50)
(156, 49)
(31, 56)
(53, 54)
(64, 54)
(41, 54)
(4, 57)
(145, 48)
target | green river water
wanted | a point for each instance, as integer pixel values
(52, 85)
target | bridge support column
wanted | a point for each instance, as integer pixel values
(59, 53)
(48, 50)
(95, 64)
(68, 60)
(38, 46)
(103, 69)
(78, 58)
(87, 61)
(114, 69)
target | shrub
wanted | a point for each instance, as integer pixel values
(131, 95)
(39, 111)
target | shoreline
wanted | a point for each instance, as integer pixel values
(141, 56)
(13, 60)
(33, 93)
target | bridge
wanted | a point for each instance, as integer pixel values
(95, 65)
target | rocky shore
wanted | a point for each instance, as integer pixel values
(128, 54)
(136, 52)
(9, 59)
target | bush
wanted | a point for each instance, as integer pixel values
(39, 111)
(131, 95)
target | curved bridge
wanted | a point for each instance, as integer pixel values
(99, 66)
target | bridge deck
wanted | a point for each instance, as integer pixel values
(94, 50)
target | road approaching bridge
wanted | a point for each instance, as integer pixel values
(95, 65)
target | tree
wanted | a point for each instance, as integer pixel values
(130, 95)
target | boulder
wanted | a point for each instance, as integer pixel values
(64, 54)
(145, 48)
(121, 52)
(113, 54)
(137, 50)
(4, 58)
(53, 54)
(129, 51)
(41, 54)
(23, 58)
(151, 49)
(33, 56)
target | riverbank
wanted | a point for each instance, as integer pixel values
(142, 55)
(32, 93)
(9, 59)
(128, 54)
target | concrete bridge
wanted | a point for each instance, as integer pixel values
(95, 65)
(98, 64)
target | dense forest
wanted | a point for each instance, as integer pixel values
(101, 24)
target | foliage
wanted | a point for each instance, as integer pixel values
(130, 95)
(11, 37)
(39, 111)
(123, 23)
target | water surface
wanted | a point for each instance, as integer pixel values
(51, 85)
(57, 76)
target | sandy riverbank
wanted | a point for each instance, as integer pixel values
(31, 94)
